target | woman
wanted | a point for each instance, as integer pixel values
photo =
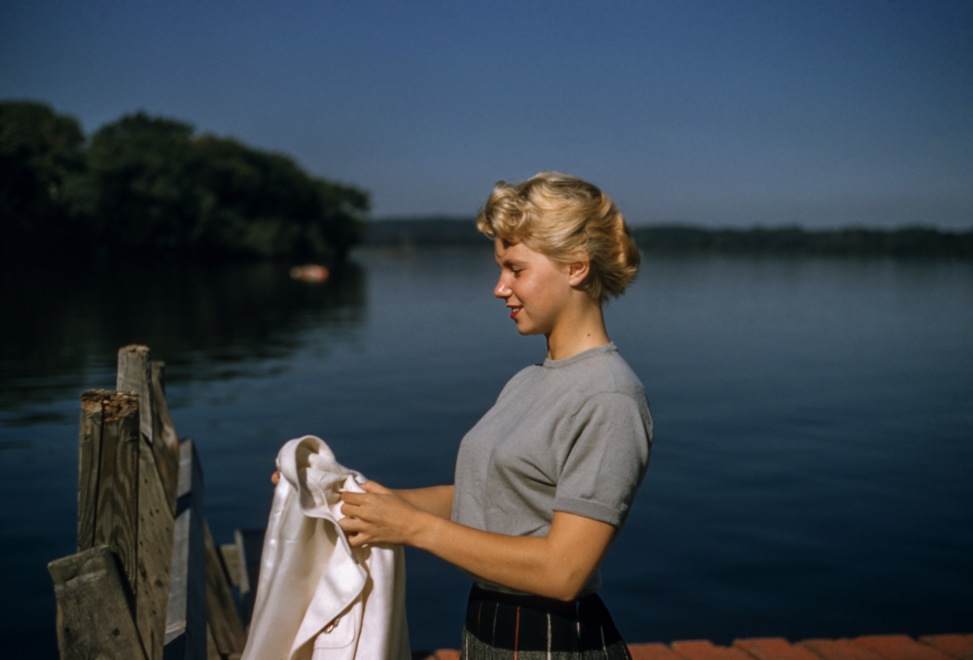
(545, 479)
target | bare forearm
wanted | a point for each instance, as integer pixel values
(437, 500)
(555, 566)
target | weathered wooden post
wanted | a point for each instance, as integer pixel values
(139, 374)
(148, 581)
(95, 588)
(108, 472)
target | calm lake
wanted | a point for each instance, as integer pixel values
(811, 475)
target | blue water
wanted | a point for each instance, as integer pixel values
(810, 477)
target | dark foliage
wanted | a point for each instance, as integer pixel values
(144, 187)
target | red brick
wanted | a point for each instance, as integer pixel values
(705, 650)
(839, 649)
(446, 654)
(955, 646)
(899, 647)
(652, 652)
(773, 648)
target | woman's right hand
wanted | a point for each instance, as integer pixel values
(379, 515)
(275, 477)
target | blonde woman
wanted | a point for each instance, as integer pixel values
(545, 479)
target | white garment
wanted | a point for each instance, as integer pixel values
(318, 598)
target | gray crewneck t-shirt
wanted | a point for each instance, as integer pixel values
(568, 435)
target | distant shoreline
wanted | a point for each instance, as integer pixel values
(904, 242)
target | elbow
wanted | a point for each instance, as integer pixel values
(565, 595)
(567, 586)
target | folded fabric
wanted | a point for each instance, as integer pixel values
(317, 597)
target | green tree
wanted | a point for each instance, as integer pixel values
(148, 185)
(254, 202)
(342, 223)
(141, 178)
(40, 152)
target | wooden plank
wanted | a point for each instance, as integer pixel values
(108, 476)
(250, 542)
(155, 538)
(94, 609)
(221, 609)
(230, 554)
(138, 373)
(89, 460)
(186, 620)
(165, 442)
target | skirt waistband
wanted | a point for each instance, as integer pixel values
(515, 622)
(529, 601)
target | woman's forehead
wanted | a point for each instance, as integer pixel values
(510, 251)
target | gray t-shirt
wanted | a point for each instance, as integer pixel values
(568, 435)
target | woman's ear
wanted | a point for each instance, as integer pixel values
(578, 272)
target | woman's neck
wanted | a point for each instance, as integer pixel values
(578, 334)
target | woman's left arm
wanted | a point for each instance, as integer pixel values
(556, 566)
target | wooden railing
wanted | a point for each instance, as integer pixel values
(148, 580)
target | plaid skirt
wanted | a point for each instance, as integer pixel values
(507, 626)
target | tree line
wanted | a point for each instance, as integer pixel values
(143, 187)
(680, 239)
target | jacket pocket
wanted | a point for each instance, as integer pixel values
(340, 632)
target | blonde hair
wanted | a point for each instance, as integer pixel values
(564, 218)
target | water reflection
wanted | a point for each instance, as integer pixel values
(63, 329)
(813, 423)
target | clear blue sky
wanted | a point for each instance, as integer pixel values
(730, 113)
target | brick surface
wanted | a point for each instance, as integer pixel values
(899, 647)
(773, 648)
(447, 654)
(955, 646)
(706, 650)
(839, 649)
(869, 647)
(652, 652)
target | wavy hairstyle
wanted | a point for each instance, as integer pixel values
(564, 218)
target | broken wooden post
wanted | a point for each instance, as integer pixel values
(108, 472)
(148, 581)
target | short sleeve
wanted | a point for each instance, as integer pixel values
(607, 458)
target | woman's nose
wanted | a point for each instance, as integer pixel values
(501, 290)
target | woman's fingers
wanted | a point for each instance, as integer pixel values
(351, 497)
(375, 516)
(375, 487)
(354, 530)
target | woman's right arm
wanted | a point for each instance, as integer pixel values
(437, 500)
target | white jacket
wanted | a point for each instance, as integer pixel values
(318, 598)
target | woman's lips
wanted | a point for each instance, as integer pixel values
(514, 311)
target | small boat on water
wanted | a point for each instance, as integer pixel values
(310, 273)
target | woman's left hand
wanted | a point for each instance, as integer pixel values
(378, 516)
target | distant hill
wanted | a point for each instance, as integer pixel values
(404, 233)
(407, 233)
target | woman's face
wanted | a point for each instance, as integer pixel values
(534, 288)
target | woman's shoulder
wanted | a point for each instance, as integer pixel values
(602, 369)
